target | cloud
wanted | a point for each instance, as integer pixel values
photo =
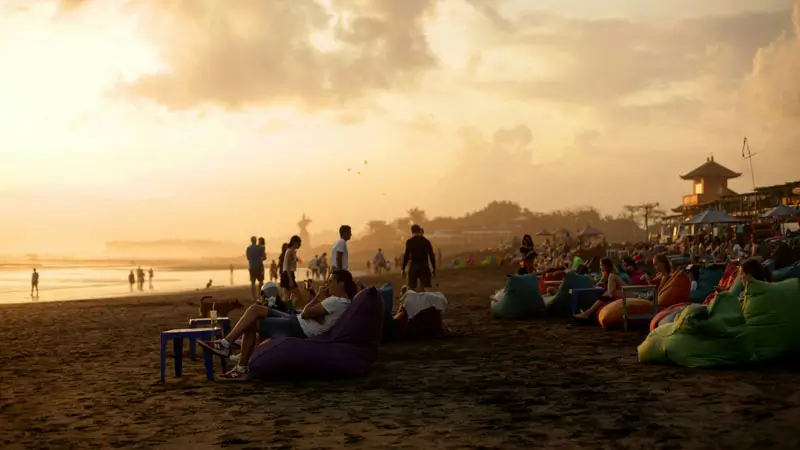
(263, 53)
(66, 6)
(600, 61)
(773, 85)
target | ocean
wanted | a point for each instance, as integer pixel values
(78, 283)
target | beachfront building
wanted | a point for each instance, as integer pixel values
(709, 184)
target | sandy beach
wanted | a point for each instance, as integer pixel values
(84, 374)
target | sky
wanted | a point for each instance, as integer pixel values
(149, 119)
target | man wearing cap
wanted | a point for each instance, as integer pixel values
(256, 254)
(419, 252)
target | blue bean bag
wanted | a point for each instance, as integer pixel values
(349, 348)
(561, 303)
(387, 295)
(709, 277)
(785, 273)
(521, 299)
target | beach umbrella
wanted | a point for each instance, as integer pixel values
(711, 217)
(781, 211)
(544, 233)
(590, 232)
(561, 231)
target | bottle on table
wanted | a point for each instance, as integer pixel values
(213, 314)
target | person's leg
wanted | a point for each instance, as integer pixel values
(425, 278)
(592, 310)
(413, 278)
(253, 292)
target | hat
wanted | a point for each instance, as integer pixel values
(270, 289)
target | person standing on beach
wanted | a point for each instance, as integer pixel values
(288, 278)
(150, 278)
(35, 283)
(419, 252)
(273, 271)
(339, 257)
(256, 254)
(131, 279)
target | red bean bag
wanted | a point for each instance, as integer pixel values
(610, 317)
(550, 276)
(664, 313)
(675, 289)
(427, 324)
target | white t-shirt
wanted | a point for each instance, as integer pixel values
(340, 247)
(336, 307)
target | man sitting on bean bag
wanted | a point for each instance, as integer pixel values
(318, 316)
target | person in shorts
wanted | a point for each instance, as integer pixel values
(256, 254)
(288, 279)
(419, 253)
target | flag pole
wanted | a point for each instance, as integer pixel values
(749, 156)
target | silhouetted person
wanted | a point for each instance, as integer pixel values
(35, 283)
(150, 278)
(131, 279)
(140, 278)
(273, 271)
(208, 285)
(231, 268)
(419, 252)
(256, 254)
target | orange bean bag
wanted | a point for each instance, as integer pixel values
(664, 313)
(610, 317)
(675, 289)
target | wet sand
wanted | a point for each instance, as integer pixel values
(85, 375)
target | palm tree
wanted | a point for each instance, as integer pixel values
(417, 216)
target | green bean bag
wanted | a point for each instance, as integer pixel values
(701, 336)
(561, 303)
(521, 299)
(772, 312)
(709, 277)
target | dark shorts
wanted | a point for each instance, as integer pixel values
(257, 274)
(280, 324)
(419, 275)
(287, 280)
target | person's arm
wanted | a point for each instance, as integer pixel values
(339, 257)
(431, 255)
(406, 255)
(314, 310)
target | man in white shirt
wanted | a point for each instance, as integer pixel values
(339, 259)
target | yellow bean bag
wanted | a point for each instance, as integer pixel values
(610, 317)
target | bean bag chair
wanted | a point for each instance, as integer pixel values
(772, 312)
(675, 289)
(557, 275)
(701, 336)
(387, 295)
(665, 313)
(728, 277)
(638, 278)
(785, 273)
(709, 277)
(610, 317)
(561, 303)
(669, 318)
(521, 298)
(420, 316)
(349, 348)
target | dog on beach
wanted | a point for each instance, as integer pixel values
(223, 306)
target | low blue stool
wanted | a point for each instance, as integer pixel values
(206, 322)
(177, 337)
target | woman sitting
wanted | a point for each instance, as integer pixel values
(663, 270)
(528, 254)
(613, 289)
(318, 316)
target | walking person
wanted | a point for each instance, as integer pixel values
(35, 283)
(339, 255)
(256, 254)
(288, 279)
(419, 253)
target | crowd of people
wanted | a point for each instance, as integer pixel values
(290, 310)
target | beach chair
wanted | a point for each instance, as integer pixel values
(650, 292)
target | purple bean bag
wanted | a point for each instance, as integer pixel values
(349, 348)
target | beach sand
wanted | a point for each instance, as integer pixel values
(85, 375)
